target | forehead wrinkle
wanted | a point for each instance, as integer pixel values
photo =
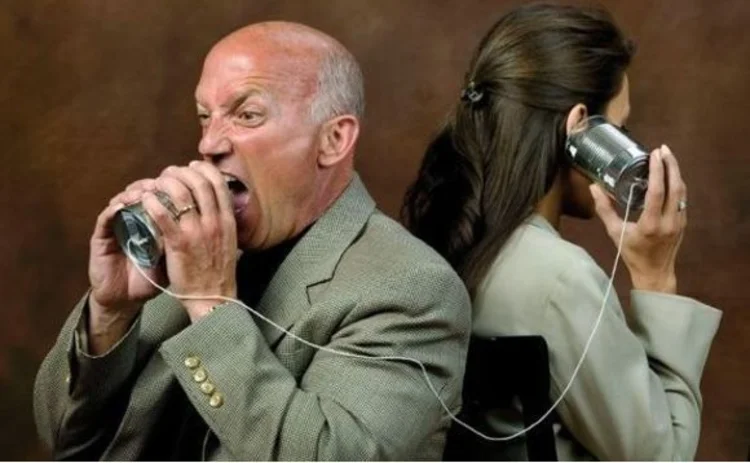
(286, 76)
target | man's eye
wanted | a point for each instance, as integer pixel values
(250, 117)
(203, 118)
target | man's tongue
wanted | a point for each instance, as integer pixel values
(240, 195)
(240, 200)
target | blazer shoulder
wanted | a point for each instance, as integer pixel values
(527, 272)
(386, 242)
(385, 255)
(538, 257)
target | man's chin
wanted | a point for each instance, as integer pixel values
(245, 238)
(244, 232)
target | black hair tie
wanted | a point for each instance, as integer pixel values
(472, 94)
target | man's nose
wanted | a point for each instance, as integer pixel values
(215, 141)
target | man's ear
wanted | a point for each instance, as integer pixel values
(576, 115)
(337, 139)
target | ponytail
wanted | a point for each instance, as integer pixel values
(443, 206)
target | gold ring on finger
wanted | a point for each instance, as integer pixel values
(184, 210)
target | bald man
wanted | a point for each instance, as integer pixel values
(139, 375)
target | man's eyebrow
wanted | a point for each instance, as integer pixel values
(237, 100)
(241, 97)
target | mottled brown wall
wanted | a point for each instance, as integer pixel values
(95, 94)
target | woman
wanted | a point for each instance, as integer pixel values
(489, 197)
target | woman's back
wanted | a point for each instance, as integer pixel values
(516, 291)
(617, 407)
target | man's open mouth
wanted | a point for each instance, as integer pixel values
(240, 192)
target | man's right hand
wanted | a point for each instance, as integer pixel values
(118, 290)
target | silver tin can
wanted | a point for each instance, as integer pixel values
(138, 235)
(609, 157)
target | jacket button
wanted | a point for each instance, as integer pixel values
(216, 400)
(200, 375)
(192, 362)
(207, 388)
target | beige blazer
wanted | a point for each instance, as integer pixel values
(637, 395)
(356, 282)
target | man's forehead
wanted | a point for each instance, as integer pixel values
(235, 66)
(231, 76)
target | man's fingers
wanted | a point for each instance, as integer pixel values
(127, 197)
(133, 192)
(221, 191)
(104, 223)
(180, 197)
(200, 188)
(160, 215)
(146, 184)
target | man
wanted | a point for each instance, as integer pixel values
(137, 375)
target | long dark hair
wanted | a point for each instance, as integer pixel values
(501, 148)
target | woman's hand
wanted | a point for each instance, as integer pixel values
(650, 245)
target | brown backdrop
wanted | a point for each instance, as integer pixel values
(96, 94)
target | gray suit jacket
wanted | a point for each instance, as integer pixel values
(637, 395)
(355, 282)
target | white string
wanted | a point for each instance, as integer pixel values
(413, 360)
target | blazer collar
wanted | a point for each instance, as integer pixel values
(314, 258)
(538, 221)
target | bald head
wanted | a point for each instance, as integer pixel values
(313, 63)
(279, 106)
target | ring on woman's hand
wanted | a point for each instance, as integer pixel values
(681, 205)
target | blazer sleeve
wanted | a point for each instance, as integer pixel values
(342, 408)
(636, 396)
(76, 395)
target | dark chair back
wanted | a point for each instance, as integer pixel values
(499, 369)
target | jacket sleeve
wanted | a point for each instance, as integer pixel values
(78, 398)
(636, 396)
(341, 408)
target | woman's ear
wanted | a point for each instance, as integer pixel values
(337, 139)
(575, 117)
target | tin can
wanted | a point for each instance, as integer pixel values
(608, 156)
(137, 233)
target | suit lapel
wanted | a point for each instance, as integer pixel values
(314, 259)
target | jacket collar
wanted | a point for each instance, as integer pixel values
(538, 221)
(314, 258)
